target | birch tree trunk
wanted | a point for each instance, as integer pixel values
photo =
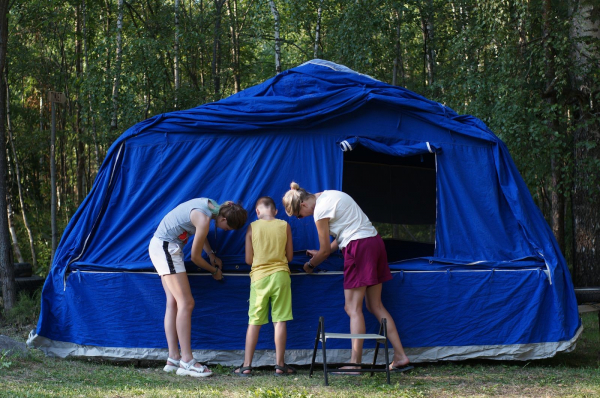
(115, 90)
(18, 178)
(318, 30)
(13, 233)
(585, 33)
(7, 272)
(277, 42)
(176, 53)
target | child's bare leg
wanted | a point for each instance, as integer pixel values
(280, 339)
(251, 341)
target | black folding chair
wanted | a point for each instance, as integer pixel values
(380, 338)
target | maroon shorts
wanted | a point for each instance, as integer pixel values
(365, 263)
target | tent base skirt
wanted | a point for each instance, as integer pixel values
(514, 352)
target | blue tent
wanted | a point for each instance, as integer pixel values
(493, 285)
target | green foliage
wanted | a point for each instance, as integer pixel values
(491, 61)
(4, 362)
(26, 311)
(412, 233)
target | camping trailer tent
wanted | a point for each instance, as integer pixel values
(492, 282)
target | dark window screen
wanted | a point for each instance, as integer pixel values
(398, 194)
(391, 189)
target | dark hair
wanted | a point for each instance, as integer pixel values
(235, 214)
(266, 201)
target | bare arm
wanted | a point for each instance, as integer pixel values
(249, 248)
(334, 246)
(202, 223)
(289, 246)
(324, 245)
(214, 260)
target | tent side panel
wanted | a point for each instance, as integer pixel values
(474, 221)
(431, 309)
(157, 176)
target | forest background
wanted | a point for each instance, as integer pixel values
(529, 69)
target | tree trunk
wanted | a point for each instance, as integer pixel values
(557, 198)
(53, 187)
(18, 177)
(232, 11)
(395, 231)
(426, 12)
(318, 30)
(80, 153)
(216, 61)
(90, 95)
(277, 42)
(585, 33)
(41, 113)
(117, 78)
(7, 274)
(176, 52)
(13, 233)
(398, 61)
(107, 24)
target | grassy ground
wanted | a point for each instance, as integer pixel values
(575, 374)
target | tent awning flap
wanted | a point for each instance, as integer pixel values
(388, 147)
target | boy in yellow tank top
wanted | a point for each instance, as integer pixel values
(268, 249)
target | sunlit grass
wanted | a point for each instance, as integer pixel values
(567, 374)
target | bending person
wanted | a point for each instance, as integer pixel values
(166, 252)
(365, 259)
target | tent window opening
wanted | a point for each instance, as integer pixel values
(398, 194)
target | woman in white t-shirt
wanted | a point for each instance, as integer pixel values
(365, 259)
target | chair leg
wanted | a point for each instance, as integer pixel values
(376, 349)
(387, 355)
(314, 356)
(323, 346)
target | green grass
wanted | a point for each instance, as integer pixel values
(575, 374)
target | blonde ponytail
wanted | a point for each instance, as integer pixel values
(293, 198)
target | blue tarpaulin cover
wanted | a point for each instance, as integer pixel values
(496, 278)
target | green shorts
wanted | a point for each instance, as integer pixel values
(276, 288)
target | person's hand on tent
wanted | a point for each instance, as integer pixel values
(218, 264)
(308, 267)
(218, 275)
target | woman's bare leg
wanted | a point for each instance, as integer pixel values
(375, 307)
(354, 302)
